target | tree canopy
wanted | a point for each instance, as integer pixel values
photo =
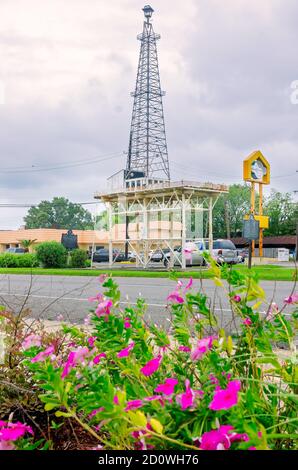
(59, 213)
(231, 208)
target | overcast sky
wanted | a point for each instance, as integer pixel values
(67, 70)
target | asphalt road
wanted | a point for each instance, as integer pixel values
(49, 296)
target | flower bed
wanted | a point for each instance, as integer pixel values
(132, 385)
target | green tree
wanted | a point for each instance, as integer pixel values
(58, 213)
(230, 210)
(282, 212)
(27, 243)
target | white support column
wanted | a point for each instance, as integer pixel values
(210, 216)
(171, 222)
(183, 239)
(146, 217)
(110, 222)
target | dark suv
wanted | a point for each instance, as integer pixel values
(102, 255)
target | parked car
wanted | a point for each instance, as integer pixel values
(102, 255)
(16, 250)
(224, 251)
(193, 252)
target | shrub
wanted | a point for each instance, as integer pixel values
(51, 254)
(26, 260)
(133, 385)
(78, 258)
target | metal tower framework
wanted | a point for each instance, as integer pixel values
(147, 151)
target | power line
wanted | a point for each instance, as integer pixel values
(19, 206)
(34, 169)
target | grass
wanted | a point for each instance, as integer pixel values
(266, 272)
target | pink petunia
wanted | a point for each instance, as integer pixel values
(91, 341)
(203, 346)
(184, 349)
(236, 298)
(96, 298)
(30, 341)
(104, 308)
(189, 284)
(247, 322)
(292, 299)
(168, 387)
(116, 400)
(125, 352)
(158, 398)
(186, 399)
(224, 399)
(214, 440)
(151, 366)
(127, 323)
(97, 358)
(74, 358)
(175, 297)
(43, 354)
(102, 278)
(6, 445)
(95, 412)
(273, 310)
(13, 431)
(133, 405)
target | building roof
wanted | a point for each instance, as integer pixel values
(49, 234)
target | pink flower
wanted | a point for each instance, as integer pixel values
(6, 445)
(116, 400)
(13, 431)
(157, 398)
(247, 322)
(214, 440)
(96, 298)
(97, 358)
(133, 405)
(273, 310)
(104, 308)
(30, 341)
(236, 298)
(151, 366)
(87, 320)
(60, 317)
(186, 399)
(91, 341)
(102, 278)
(95, 412)
(224, 399)
(168, 387)
(184, 349)
(125, 352)
(74, 358)
(43, 354)
(189, 285)
(202, 347)
(175, 297)
(292, 299)
(127, 323)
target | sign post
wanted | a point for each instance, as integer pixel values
(256, 169)
(251, 228)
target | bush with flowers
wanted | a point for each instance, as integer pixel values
(129, 384)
